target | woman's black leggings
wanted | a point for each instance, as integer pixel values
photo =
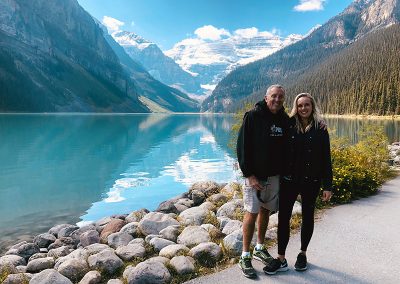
(288, 194)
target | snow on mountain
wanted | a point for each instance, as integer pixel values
(211, 56)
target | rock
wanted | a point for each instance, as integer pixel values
(218, 199)
(159, 243)
(119, 239)
(67, 231)
(208, 188)
(74, 268)
(222, 222)
(185, 202)
(19, 278)
(54, 230)
(115, 281)
(112, 227)
(58, 252)
(96, 248)
(167, 206)
(174, 250)
(25, 250)
(21, 269)
(206, 254)
(105, 261)
(64, 241)
(232, 226)
(208, 206)
(194, 216)
(296, 208)
(170, 233)
(137, 215)
(161, 259)
(137, 241)
(230, 189)
(179, 208)
(182, 265)
(150, 237)
(103, 221)
(14, 260)
(40, 264)
(198, 197)
(44, 240)
(272, 234)
(273, 221)
(49, 276)
(37, 255)
(154, 222)
(193, 235)
(76, 235)
(131, 251)
(132, 229)
(232, 209)
(92, 277)
(149, 272)
(233, 242)
(44, 250)
(214, 232)
(90, 237)
(128, 270)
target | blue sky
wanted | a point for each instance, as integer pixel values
(167, 22)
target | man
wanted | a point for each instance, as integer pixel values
(259, 150)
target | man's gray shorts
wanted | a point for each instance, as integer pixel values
(270, 196)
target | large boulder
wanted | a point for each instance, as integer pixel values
(105, 261)
(232, 226)
(89, 237)
(18, 278)
(198, 197)
(25, 250)
(206, 254)
(112, 227)
(40, 264)
(44, 240)
(8, 263)
(49, 276)
(232, 209)
(136, 216)
(92, 277)
(159, 243)
(170, 233)
(58, 252)
(132, 229)
(174, 250)
(149, 272)
(182, 265)
(218, 199)
(67, 231)
(208, 188)
(193, 235)
(194, 216)
(154, 222)
(119, 239)
(130, 251)
(56, 229)
(74, 268)
(233, 242)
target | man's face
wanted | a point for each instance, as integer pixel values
(275, 99)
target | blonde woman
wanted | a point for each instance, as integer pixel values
(308, 166)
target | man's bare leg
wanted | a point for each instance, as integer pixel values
(262, 224)
(249, 222)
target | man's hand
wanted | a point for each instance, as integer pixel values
(253, 182)
(326, 195)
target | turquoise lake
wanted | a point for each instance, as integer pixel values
(77, 168)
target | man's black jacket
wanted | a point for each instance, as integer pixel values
(260, 143)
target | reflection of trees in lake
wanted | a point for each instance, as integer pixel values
(344, 127)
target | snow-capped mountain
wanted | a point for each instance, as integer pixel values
(160, 66)
(212, 59)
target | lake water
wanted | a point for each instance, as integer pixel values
(71, 168)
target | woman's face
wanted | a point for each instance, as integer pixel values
(304, 107)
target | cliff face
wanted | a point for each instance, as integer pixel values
(58, 60)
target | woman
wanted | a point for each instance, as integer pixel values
(308, 166)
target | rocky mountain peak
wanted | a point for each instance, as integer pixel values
(131, 39)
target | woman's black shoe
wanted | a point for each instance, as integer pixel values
(301, 262)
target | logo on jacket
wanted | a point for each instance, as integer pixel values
(276, 131)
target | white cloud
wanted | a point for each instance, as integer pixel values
(309, 5)
(247, 33)
(113, 25)
(211, 32)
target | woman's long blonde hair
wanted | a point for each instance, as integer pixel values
(315, 117)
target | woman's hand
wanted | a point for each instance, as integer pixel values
(326, 195)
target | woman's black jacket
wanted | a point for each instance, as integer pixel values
(308, 155)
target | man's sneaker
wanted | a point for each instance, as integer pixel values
(301, 262)
(275, 266)
(262, 255)
(246, 267)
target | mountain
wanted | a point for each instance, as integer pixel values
(157, 96)
(210, 60)
(160, 66)
(54, 58)
(360, 20)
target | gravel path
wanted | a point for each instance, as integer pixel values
(352, 243)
